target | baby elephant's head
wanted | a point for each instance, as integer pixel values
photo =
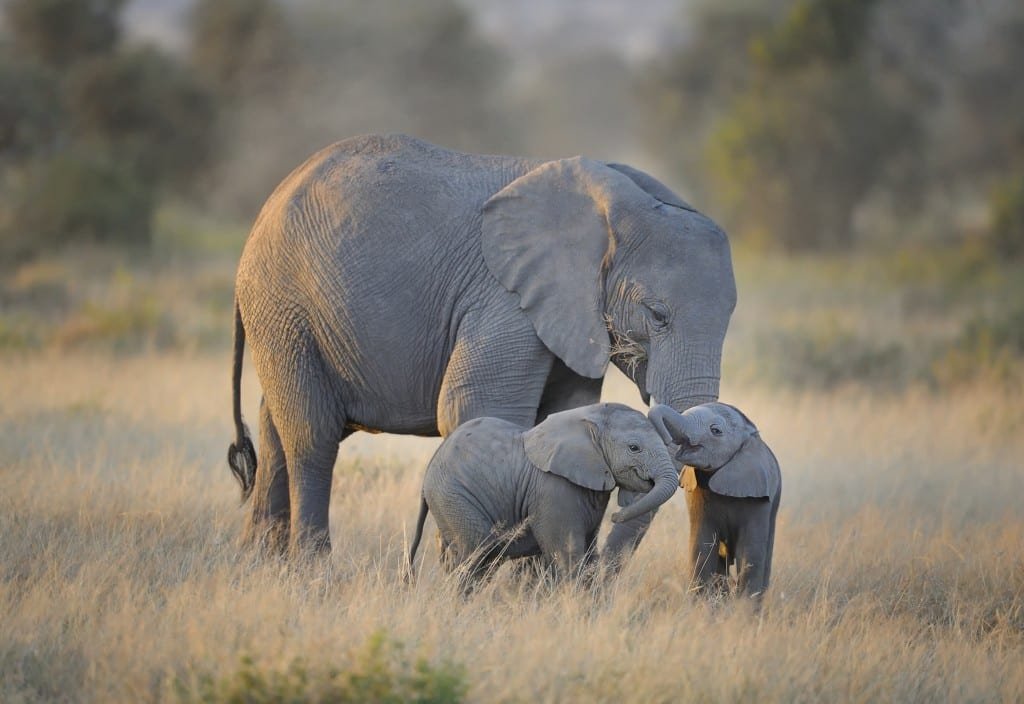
(716, 437)
(603, 446)
(632, 448)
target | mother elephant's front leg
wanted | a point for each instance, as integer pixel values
(498, 368)
(565, 390)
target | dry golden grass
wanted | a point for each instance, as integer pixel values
(899, 573)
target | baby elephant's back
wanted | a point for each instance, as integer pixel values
(482, 456)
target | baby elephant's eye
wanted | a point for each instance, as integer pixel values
(716, 431)
(634, 447)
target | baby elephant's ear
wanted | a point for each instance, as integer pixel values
(753, 472)
(568, 444)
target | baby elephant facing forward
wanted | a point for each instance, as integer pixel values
(733, 488)
(498, 491)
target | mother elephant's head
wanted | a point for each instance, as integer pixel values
(609, 264)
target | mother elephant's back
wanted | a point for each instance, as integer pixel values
(370, 252)
(343, 188)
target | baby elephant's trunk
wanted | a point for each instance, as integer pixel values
(666, 481)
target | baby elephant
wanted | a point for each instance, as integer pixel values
(500, 491)
(733, 487)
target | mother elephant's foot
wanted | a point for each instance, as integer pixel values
(310, 545)
(268, 536)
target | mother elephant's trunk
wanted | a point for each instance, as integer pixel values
(665, 484)
(685, 375)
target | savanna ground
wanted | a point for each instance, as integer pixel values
(889, 387)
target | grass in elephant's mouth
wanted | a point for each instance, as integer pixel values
(624, 349)
(897, 576)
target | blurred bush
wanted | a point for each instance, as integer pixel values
(988, 346)
(1006, 236)
(380, 673)
(74, 195)
(828, 355)
(137, 324)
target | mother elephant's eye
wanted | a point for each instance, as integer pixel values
(658, 312)
(634, 447)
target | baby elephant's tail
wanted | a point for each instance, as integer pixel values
(424, 509)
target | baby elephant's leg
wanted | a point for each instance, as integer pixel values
(565, 550)
(708, 563)
(753, 549)
(447, 554)
(709, 566)
(472, 549)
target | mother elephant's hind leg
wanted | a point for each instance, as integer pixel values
(310, 423)
(268, 523)
(311, 469)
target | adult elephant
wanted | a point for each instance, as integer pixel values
(392, 285)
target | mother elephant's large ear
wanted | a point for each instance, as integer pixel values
(547, 238)
(753, 472)
(569, 444)
(658, 190)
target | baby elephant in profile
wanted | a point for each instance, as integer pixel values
(733, 488)
(501, 491)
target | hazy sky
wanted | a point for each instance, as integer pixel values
(529, 29)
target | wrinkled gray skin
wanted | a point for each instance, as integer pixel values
(498, 491)
(733, 489)
(392, 285)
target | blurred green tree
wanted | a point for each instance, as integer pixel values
(691, 89)
(578, 104)
(61, 32)
(1006, 234)
(351, 68)
(242, 47)
(148, 110)
(30, 108)
(812, 123)
(797, 155)
(987, 92)
(832, 32)
(984, 138)
(92, 134)
(793, 131)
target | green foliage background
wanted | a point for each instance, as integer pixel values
(879, 140)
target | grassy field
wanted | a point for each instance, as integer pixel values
(899, 570)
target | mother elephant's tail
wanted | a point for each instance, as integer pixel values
(241, 453)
